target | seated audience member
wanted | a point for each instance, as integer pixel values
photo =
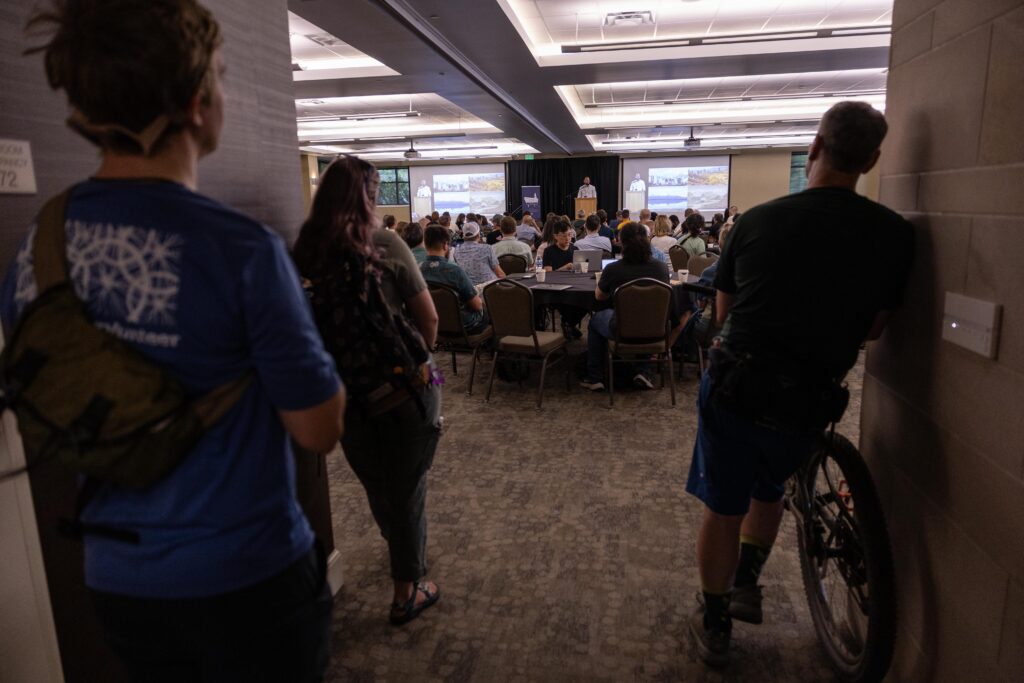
(558, 254)
(437, 269)
(605, 230)
(698, 325)
(636, 263)
(389, 222)
(717, 221)
(663, 240)
(547, 237)
(622, 217)
(460, 221)
(593, 240)
(581, 219)
(494, 235)
(693, 243)
(509, 244)
(413, 236)
(400, 228)
(645, 220)
(477, 258)
(732, 215)
(435, 217)
(676, 230)
(527, 230)
(687, 213)
(445, 222)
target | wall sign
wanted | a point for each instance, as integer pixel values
(17, 176)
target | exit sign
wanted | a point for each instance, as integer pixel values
(528, 157)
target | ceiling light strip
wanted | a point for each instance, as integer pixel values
(730, 39)
(748, 98)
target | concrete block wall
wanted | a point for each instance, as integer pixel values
(943, 428)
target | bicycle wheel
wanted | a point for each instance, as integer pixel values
(846, 562)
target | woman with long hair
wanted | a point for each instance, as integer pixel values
(389, 443)
(547, 236)
(693, 243)
(636, 262)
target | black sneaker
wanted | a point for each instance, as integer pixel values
(745, 604)
(712, 644)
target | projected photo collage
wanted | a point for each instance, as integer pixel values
(705, 188)
(482, 193)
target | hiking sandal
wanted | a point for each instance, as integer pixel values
(403, 613)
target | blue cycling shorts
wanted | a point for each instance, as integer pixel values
(735, 459)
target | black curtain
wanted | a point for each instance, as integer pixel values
(559, 179)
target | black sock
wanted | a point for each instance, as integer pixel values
(752, 559)
(716, 611)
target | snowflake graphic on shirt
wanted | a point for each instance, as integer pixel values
(123, 271)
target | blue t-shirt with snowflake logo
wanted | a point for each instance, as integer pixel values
(208, 294)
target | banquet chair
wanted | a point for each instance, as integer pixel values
(512, 263)
(643, 327)
(698, 264)
(452, 334)
(679, 257)
(510, 305)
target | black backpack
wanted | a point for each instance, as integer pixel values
(381, 357)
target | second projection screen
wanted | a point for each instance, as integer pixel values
(476, 188)
(674, 184)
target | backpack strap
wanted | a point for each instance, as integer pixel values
(49, 260)
(212, 406)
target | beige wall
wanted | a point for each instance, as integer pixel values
(943, 428)
(756, 177)
(400, 212)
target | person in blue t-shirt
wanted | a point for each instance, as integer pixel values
(225, 583)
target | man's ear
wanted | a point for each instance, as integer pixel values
(814, 151)
(194, 113)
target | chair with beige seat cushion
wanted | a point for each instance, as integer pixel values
(643, 327)
(510, 305)
(451, 333)
(698, 264)
(512, 263)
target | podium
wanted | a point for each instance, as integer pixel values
(587, 206)
(422, 206)
(635, 201)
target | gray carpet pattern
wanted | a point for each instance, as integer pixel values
(563, 543)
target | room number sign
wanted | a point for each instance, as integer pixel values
(17, 175)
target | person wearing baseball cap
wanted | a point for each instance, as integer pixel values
(476, 258)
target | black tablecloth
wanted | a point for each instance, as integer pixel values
(582, 286)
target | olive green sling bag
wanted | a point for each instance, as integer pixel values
(87, 398)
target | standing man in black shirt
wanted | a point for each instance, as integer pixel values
(796, 302)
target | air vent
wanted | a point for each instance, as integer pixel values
(616, 19)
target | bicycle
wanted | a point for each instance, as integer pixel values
(845, 559)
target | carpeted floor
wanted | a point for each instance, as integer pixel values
(563, 543)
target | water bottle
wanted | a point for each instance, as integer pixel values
(540, 263)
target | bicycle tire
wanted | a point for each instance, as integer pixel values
(876, 656)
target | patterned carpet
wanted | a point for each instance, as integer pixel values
(563, 543)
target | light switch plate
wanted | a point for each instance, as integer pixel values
(971, 323)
